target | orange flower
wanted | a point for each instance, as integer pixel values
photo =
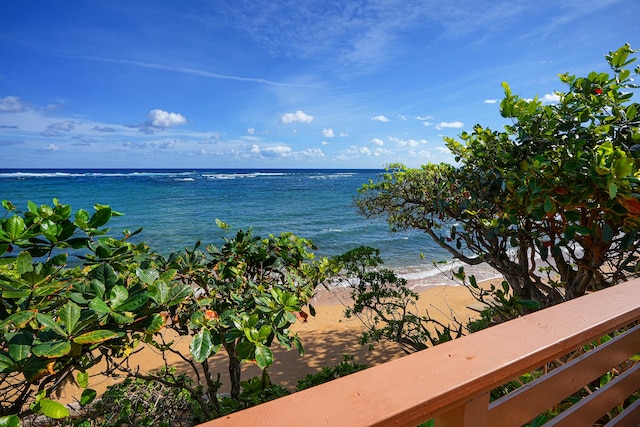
(211, 315)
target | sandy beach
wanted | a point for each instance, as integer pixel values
(326, 338)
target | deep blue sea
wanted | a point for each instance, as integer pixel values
(178, 207)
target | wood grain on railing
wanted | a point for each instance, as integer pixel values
(451, 382)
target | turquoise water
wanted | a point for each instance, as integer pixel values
(178, 207)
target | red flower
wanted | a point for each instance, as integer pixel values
(598, 91)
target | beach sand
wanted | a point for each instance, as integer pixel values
(326, 338)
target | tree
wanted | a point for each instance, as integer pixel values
(56, 320)
(247, 294)
(552, 202)
(385, 305)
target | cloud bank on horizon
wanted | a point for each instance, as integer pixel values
(285, 85)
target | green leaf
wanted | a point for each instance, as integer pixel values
(245, 350)
(82, 219)
(70, 315)
(14, 227)
(530, 304)
(156, 322)
(94, 337)
(123, 317)
(100, 218)
(52, 349)
(6, 364)
(10, 421)
(47, 321)
(264, 333)
(36, 368)
(19, 319)
(24, 263)
(201, 345)
(99, 306)
(82, 379)
(87, 396)
(118, 295)
(264, 356)
(133, 303)
(53, 409)
(106, 275)
(160, 292)
(178, 294)
(148, 277)
(19, 345)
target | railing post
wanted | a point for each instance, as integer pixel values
(473, 413)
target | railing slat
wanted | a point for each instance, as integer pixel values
(629, 418)
(470, 414)
(525, 403)
(591, 408)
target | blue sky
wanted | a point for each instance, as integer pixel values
(280, 84)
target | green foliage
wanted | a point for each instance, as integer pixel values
(245, 296)
(58, 319)
(346, 367)
(385, 305)
(551, 202)
(148, 403)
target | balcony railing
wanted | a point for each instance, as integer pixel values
(452, 381)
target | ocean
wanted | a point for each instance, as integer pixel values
(176, 208)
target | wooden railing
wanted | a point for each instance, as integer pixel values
(451, 382)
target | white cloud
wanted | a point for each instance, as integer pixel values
(11, 104)
(344, 135)
(427, 123)
(449, 125)
(276, 151)
(51, 147)
(422, 153)
(328, 133)
(164, 119)
(407, 142)
(550, 98)
(424, 117)
(365, 151)
(159, 120)
(381, 152)
(299, 116)
(283, 151)
(251, 131)
(377, 141)
(402, 117)
(324, 143)
(381, 118)
(490, 101)
(54, 129)
(311, 152)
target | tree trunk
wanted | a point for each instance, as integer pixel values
(234, 369)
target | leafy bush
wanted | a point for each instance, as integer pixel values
(57, 320)
(385, 305)
(147, 403)
(326, 374)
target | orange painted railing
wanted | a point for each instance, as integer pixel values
(451, 382)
